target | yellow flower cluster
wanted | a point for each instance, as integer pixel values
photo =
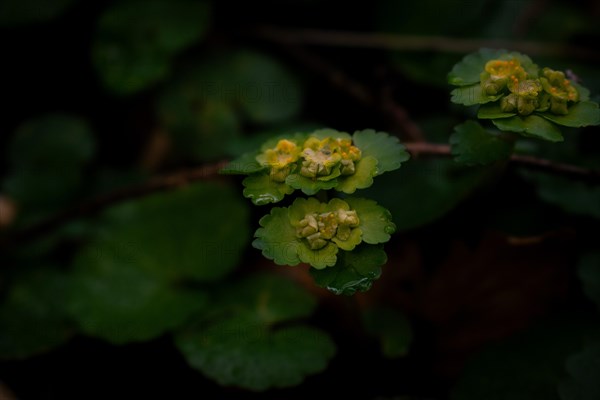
(319, 158)
(527, 93)
(320, 229)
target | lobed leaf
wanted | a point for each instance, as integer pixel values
(472, 145)
(354, 271)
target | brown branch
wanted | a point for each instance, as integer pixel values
(420, 43)
(95, 205)
(530, 162)
(181, 178)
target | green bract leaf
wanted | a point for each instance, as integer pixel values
(532, 125)
(493, 111)
(322, 160)
(468, 71)
(471, 95)
(277, 238)
(309, 186)
(354, 271)
(32, 316)
(583, 383)
(136, 40)
(243, 347)
(375, 221)
(392, 328)
(585, 113)
(472, 145)
(386, 149)
(320, 258)
(363, 177)
(311, 231)
(262, 190)
(589, 274)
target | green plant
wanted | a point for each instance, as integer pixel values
(336, 237)
(185, 214)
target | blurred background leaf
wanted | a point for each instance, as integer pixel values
(33, 318)
(526, 367)
(23, 12)
(128, 281)
(392, 329)
(206, 107)
(252, 341)
(136, 40)
(582, 367)
(47, 157)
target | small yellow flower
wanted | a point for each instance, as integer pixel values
(320, 156)
(319, 229)
(280, 159)
(499, 73)
(560, 90)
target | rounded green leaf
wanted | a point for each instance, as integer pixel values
(117, 300)
(375, 221)
(250, 343)
(386, 149)
(277, 238)
(532, 126)
(197, 232)
(584, 113)
(354, 271)
(319, 259)
(262, 190)
(310, 186)
(238, 352)
(136, 40)
(472, 145)
(33, 318)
